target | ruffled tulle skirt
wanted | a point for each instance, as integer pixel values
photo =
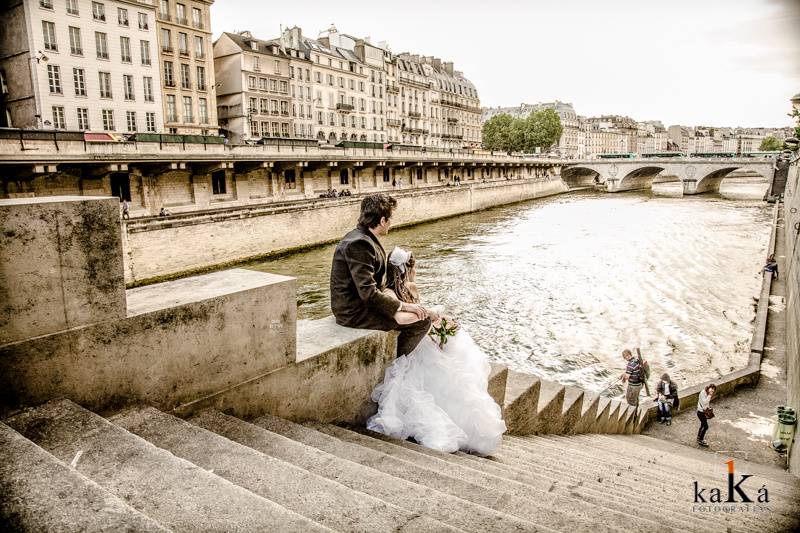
(440, 399)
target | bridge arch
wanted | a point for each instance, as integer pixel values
(639, 178)
(580, 176)
(711, 181)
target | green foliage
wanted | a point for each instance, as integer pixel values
(541, 129)
(771, 143)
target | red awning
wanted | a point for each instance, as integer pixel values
(99, 137)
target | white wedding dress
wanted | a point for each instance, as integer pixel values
(440, 399)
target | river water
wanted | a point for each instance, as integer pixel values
(559, 286)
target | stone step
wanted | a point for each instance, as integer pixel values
(549, 412)
(689, 461)
(485, 500)
(364, 478)
(585, 488)
(654, 472)
(588, 413)
(41, 493)
(692, 456)
(554, 502)
(605, 480)
(170, 490)
(317, 498)
(573, 408)
(497, 383)
(672, 493)
(521, 402)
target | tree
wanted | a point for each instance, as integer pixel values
(541, 129)
(496, 132)
(771, 143)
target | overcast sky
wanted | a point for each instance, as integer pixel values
(689, 62)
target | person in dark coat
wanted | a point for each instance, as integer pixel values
(358, 278)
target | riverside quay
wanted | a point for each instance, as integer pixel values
(185, 173)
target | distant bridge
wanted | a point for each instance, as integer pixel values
(696, 175)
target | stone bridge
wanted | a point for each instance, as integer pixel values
(696, 175)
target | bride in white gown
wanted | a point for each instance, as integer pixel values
(437, 396)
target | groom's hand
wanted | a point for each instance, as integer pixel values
(420, 312)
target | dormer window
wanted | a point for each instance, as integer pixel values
(253, 45)
(274, 49)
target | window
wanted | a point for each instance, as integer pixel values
(254, 129)
(105, 85)
(264, 107)
(164, 9)
(265, 129)
(202, 111)
(318, 77)
(218, 179)
(180, 14)
(58, 118)
(199, 48)
(150, 121)
(352, 85)
(201, 78)
(127, 83)
(253, 105)
(197, 18)
(187, 109)
(289, 178)
(99, 12)
(183, 43)
(83, 118)
(54, 78)
(125, 49)
(262, 84)
(277, 67)
(108, 119)
(273, 85)
(147, 82)
(49, 31)
(285, 129)
(130, 117)
(101, 44)
(274, 106)
(169, 80)
(251, 82)
(166, 40)
(284, 87)
(122, 17)
(75, 46)
(256, 64)
(143, 23)
(276, 129)
(144, 47)
(47, 4)
(186, 82)
(285, 108)
(172, 110)
(72, 7)
(79, 77)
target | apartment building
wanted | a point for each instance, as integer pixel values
(80, 65)
(188, 85)
(253, 77)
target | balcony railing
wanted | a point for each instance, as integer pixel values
(346, 108)
(392, 88)
(198, 24)
(414, 114)
(99, 16)
(184, 52)
(392, 122)
(274, 112)
(284, 113)
(169, 83)
(167, 49)
(452, 120)
(182, 20)
(164, 16)
(416, 131)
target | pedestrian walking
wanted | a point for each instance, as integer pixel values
(667, 398)
(125, 210)
(705, 412)
(633, 377)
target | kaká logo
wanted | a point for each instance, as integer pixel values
(735, 490)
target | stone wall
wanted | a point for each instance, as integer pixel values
(792, 262)
(161, 247)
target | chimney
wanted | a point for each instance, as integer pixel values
(246, 34)
(448, 67)
(436, 63)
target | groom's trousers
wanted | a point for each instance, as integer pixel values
(410, 334)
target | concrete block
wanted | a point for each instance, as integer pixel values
(497, 383)
(550, 408)
(331, 381)
(521, 403)
(61, 264)
(183, 340)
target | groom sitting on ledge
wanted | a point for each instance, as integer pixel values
(358, 277)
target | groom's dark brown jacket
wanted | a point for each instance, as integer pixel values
(358, 274)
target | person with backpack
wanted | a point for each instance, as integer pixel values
(667, 398)
(634, 376)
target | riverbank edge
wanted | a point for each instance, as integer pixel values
(750, 374)
(551, 187)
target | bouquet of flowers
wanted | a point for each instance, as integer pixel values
(441, 331)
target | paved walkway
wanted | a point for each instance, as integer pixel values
(743, 424)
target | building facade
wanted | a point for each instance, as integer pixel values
(80, 65)
(573, 142)
(253, 99)
(187, 70)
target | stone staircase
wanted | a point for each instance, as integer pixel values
(65, 468)
(535, 406)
